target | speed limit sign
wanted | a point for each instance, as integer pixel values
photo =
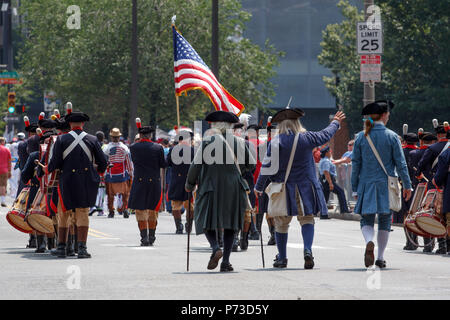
(369, 38)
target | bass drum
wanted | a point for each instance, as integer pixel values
(16, 216)
(37, 217)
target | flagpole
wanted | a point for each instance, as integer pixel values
(178, 109)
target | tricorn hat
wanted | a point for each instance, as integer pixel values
(378, 107)
(77, 117)
(428, 136)
(411, 137)
(46, 123)
(145, 129)
(222, 116)
(238, 125)
(288, 113)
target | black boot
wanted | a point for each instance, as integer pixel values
(126, 215)
(50, 243)
(144, 238)
(178, 225)
(60, 251)
(272, 237)
(151, 236)
(442, 246)
(280, 263)
(244, 240)
(41, 244)
(32, 241)
(70, 247)
(82, 251)
(428, 244)
(409, 245)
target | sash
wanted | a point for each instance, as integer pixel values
(78, 142)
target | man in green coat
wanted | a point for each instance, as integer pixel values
(221, 198)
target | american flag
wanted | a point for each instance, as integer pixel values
(192, 73)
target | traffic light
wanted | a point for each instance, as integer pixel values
(11, 102)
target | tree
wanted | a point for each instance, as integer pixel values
(92, 66)
(415, 62)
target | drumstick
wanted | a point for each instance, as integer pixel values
(38, 163)
(423, 177)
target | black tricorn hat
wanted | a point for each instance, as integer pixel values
(428, 136)
(238, 126)
(45, 136)
(146, 130)
(288, 113)
(378, 107)
(31, 128)
(47, 123)
(222, 116)
(254, 127)
(411, 137)
(77, 117)
(62, 124)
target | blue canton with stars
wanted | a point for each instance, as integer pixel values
(183, 50)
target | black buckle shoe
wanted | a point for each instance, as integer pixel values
(243, 243)
(380, 264)
(309, 259)
(41, 244)
(126, 215)
(280, 263)
(60, 251)
(214, 259)
(226, 267)
(82, 251)
(111, 214)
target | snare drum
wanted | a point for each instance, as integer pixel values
(429, 219)
(37, 217)
(51, 179)
(16, 215)
(410, 225)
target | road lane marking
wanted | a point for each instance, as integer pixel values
(300, 246)
(98, 232)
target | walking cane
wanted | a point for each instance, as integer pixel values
(189, 228)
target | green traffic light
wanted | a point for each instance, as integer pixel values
(11, 109)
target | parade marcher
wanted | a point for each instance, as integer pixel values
(15, 169)
(370, 180)
(102, 187)
(263, 200)
(328, 174)
(5, 170)
(146, 194)
(75, 154)
(429, 161)
(179, 159)
(304, 195)
(442, 179)
(410, 140)
(426, 139)
(23, 156)
(118, 174)
(221, 198)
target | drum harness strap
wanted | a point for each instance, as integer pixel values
(437, 158)
(78, 141)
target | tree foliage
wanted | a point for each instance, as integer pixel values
(415, 62)
(91, 66)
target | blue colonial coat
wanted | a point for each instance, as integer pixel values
(179, 172)
(368, 177)
(303, 176)
(442, 177)
(148, 159)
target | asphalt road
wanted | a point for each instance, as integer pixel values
(121, 269)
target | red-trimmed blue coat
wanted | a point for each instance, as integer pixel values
(303, 176)
(148, 159)
(442, 177)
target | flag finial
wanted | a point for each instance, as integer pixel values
(174, 18)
